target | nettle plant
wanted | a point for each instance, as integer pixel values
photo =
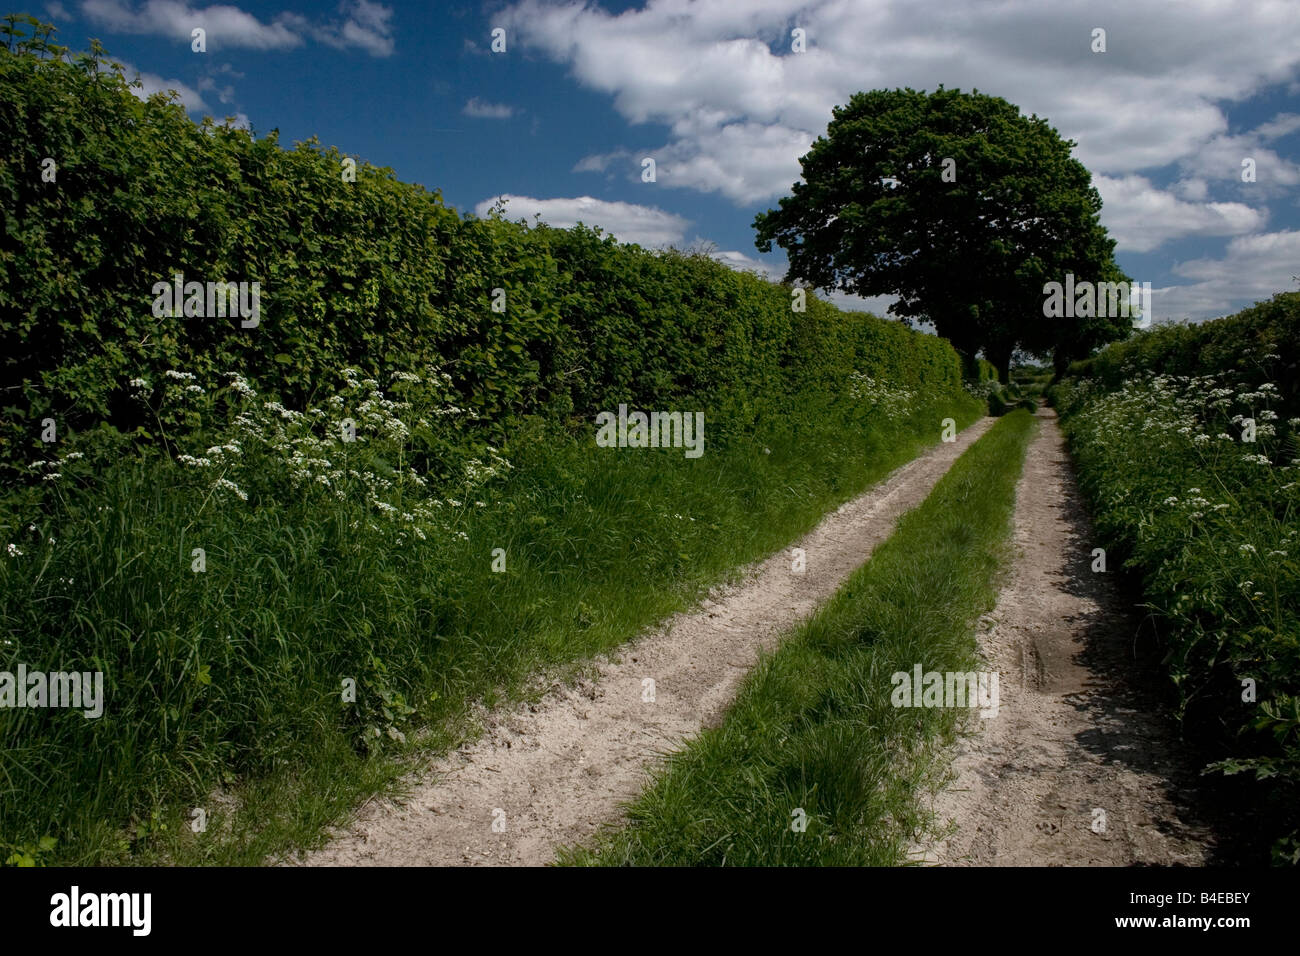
(406, 459)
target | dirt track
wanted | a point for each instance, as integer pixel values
(1078, 768)
(555, 771)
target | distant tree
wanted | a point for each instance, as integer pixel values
(959, 205)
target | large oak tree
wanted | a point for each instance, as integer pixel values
(959, 205)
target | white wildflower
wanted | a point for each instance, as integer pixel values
(229, 485)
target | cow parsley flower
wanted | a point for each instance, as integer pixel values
(228, 485)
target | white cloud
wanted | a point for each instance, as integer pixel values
(485, 110)
(1142, 217)
(366, 25)
(875, 304)
(745, 263)
(362, 24)
(628, 222)
(742, 108)
(599, 162)
(775, 272)
(1252, 268)
(224, 93)
(746, 162)
(225, 26)
(1221, 159)
(208, 83)
(238, 121)
(1195, 189)
(152, 83)
(1283, 124)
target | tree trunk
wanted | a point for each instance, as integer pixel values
(1001, 359)
(1060, 362)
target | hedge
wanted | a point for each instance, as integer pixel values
(375, 274)
(1232, 346)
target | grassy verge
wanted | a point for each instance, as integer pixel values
(813, 736)
(1191, 481)
(225, 685)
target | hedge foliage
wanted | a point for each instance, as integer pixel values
(368, 558)
(1256, 345)
(1187, 440)
(977, 369)
(375, 274)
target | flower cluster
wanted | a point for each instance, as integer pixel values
(358, 445)
(1198, 410)
(1192, 478)
(890, 400)
(984, 389)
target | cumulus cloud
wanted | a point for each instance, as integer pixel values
(225, 25)
(1283, 124)
(1252, 268)
(360, 24)
(210, 82)
(627, 222)
(1221, 159)
(1142, 217)
(364, 24)
(746, 162)
(875, 304)
(485, 110)
(742, 108)
(599, 162)
(745, 263)
(152, 83)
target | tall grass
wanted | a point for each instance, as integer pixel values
(328, 561)
(813, 737)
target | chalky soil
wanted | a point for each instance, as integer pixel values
(549, 774)
(1080, 767)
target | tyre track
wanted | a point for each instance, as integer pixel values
(560, 768)
(1080, 767)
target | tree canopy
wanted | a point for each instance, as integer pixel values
(959, 205)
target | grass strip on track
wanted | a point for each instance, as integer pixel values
(813, 737)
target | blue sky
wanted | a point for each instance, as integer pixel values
(712, 90)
